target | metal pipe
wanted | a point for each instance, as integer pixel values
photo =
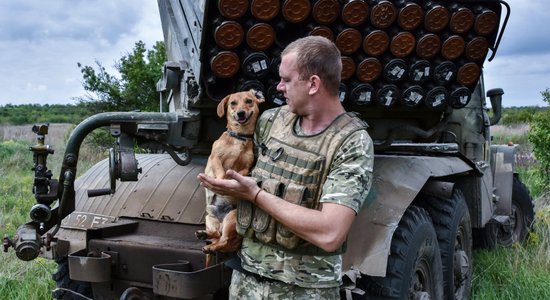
(440, 189)
(76, 138)
(495, 95)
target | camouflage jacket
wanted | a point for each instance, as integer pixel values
(333, 166)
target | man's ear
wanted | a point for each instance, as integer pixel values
(314, 84)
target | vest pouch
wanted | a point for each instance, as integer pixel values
(245, 210)
(264, 225)
(294, 194)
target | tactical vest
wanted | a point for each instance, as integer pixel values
(294, 168)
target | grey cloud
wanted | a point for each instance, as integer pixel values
(41, 42)
(526, 32)
(38, 21)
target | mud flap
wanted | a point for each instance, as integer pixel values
(349, 284)
(397, 179)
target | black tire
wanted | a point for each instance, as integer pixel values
(521, 221)
(64, 283)
(453, 226)
(414, 264)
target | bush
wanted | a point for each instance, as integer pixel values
(539, 137)
(15, 153)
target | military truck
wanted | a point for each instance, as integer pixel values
(412, 69)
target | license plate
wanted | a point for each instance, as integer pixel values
(84, 220)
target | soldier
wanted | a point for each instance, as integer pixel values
(312, 176)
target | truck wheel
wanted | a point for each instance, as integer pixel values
(519, 225)
(414, 264)
(453, 226)
(65, 284)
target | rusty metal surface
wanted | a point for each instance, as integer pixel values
(149, 243)
(396, 182)
(164, 191)
(439, 189)
(179, 281)
(69, 241)
(134, 253)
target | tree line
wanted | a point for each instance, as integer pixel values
(35, 113)
(133, 88)
(75, 113)
(520, 115)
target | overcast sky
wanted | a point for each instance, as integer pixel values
(42, 41)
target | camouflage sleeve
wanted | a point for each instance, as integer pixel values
(350, 177)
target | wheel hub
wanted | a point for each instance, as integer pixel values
(420, 282)
(422, 296)
(510, 229)
(461, 267)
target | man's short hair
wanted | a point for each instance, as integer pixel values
(317, 55)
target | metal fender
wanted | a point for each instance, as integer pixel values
(165, 191)
(502, 167)
(396, 182)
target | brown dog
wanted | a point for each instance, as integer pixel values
(234, 149)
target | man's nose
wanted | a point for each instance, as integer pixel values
(280, 86)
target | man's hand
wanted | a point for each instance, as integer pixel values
(237, 185)
(326, 228)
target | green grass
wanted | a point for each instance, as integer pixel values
(520, 272)
(523, 271)
(15, 185)
(509, 274)
(20, 280)
(532, 178)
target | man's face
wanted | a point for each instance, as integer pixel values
(293, 88)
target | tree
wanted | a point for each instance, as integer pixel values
(136, 87)
(539, 136)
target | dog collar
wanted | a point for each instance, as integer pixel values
(242, 137)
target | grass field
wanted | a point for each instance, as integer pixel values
(20, 280)
(523, 271)
(520, 272)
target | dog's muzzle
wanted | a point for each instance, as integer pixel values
(241, 116)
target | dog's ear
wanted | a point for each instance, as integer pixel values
(258, 94)
(221, 106)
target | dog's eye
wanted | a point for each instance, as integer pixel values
(248, 101)
(233, 103)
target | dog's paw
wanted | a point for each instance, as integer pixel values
(201, 234)
(207, 250)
